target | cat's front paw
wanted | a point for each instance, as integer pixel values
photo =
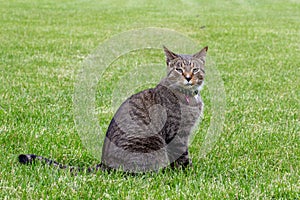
(190, 163)
(182, 164)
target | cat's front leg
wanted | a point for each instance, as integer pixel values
(178, 152)
(182, 162)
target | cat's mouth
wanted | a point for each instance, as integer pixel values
(189, 85)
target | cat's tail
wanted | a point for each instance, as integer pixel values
(30, 158)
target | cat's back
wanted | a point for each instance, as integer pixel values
(147, 106)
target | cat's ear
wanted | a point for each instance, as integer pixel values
(169, 55)
(201, 54)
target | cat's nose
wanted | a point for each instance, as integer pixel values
(188, 78)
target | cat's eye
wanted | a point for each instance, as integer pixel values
(179, 70)
(195, 70)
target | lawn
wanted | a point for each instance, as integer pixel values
(254, 46)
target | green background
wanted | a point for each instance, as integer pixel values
(254, 44)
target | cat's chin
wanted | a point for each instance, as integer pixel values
(192, 87)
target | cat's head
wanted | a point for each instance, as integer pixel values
(186, 72)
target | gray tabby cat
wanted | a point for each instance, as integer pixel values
(151, 129)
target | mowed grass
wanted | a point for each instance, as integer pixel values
(254, 44)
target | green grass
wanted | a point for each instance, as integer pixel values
(255, 45)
